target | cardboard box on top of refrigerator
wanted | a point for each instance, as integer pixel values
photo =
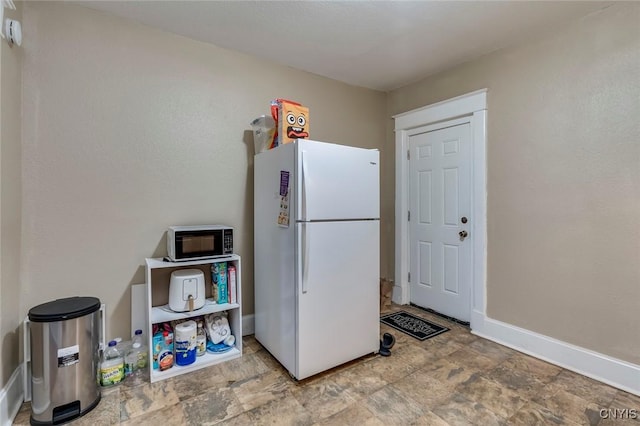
(292, 121)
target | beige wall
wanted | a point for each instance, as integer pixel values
(563, 178)
(10, 202)
(128, 130)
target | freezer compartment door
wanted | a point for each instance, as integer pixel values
(338, 293)
(337, 182)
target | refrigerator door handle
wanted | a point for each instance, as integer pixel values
(305, 258)
(304, 185)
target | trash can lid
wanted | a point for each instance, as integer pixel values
(64, 309)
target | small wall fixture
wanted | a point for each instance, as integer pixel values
(10, 29)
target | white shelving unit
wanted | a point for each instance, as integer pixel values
(158, 274)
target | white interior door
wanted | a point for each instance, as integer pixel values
(440, 234)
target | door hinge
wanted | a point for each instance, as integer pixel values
(409, 215)
(409, 277)
(408, 154)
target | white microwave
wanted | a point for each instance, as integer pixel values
(199, 242)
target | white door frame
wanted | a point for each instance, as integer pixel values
(471, 108)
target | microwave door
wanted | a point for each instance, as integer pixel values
(194, 245)
(198, 245)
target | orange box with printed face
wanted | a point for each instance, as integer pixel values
(292, 121)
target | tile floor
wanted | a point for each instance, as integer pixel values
(454, 378)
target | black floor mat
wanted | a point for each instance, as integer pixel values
(412, 325)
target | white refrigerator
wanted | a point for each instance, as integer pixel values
(317, 254)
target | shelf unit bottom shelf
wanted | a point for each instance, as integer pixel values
(206, 360)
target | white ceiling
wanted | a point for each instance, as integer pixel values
(380, 45)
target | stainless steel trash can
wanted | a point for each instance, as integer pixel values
(64, 359)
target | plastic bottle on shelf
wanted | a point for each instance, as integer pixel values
(112, 366)
(214, 282)
(201, 341)
(163, 350)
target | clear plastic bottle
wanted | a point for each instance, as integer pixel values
(138, 336)
(131, 361)
(136, 357)
(112, 366)
(139, 343)
(201, 341)
(123, 346)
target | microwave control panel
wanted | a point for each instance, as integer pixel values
(228, 241)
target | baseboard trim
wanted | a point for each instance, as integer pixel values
(248, 324)
(11, 397)
(614, 372)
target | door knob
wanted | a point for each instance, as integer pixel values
(463, 235)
